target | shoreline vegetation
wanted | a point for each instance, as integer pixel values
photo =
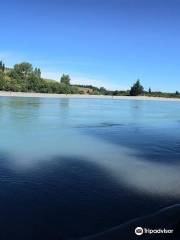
(24, 80)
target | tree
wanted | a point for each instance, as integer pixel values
(23, 77)
(2, 66)
(103, 91)
(37, 72)
(136, 89)
(22, 70)
(149, 91)
(115, 93)
(65, 79)
(2, 82)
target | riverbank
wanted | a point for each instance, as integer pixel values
(83, 96)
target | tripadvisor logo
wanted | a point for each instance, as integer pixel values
(139, 231)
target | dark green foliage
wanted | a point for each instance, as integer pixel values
(120, 93)
(2, 81)
(37, 72)
(136, 89)
(103, 91)
(2, 66)
(23, 70)
(23, 78)
(149, 91)
(163, 95)
(65, 79)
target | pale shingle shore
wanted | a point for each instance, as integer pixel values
(81, 96)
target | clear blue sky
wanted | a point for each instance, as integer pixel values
(110, 43)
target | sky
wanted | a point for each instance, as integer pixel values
(108, 43)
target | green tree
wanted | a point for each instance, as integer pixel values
(37, 72)
(2, 81)
(136, 89)
(65, 88)
(65, 79)
(2, 66)
(103, 91)
(22, 71)
(149, 91)
(115, 93)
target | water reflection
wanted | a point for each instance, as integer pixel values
(64, 111)
(19, 110)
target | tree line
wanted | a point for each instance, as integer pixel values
(24, 78)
